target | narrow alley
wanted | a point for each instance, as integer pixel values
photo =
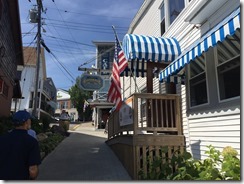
(83, 155)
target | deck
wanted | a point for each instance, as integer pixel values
(145, 124)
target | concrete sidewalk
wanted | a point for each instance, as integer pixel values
(85, 156)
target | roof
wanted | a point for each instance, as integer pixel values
(62, 94)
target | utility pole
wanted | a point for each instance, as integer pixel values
(40, 8)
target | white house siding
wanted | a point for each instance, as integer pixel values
(150, 23)
(130, 85)
(156, 85)
(27, 86)
(227, 131)
(219, 128)
(181, 89)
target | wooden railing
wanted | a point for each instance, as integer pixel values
(152, 113)
(156, 123)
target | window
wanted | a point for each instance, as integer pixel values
(58, 105)
(214, 77)
(65, 105)
(175, 7)
(162, 20)
(197, 82)
(170, 9)
(228, 69)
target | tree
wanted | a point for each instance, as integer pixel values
(78, 97)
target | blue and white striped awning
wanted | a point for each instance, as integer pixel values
(218, 34)
(155, 49)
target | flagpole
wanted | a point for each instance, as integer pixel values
(128, 67)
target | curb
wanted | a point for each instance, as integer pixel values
(75, 127)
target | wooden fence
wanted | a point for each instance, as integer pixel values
(149, 122)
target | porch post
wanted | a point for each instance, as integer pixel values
(149, 77)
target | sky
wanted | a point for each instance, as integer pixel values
(69, 28)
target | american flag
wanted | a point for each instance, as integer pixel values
(122, 62)
(119, 64)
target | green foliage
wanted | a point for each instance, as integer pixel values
(78, 96)
(46, 120)
(231, 164)
(49, 144)
(36, 125)
(217, 166)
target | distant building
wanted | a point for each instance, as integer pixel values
(46, 102)
(104, 62)
(64, 103)
(11, 54)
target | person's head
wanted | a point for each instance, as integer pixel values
(22, 119)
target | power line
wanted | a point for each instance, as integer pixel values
(73, 49)
(54, 37)
(64, 47)
(62, 70)
(95, 30)
(86, 14)
(62, 65)
(92, 25)
(31, 41)
(29, 32)
(61, 51)
(66, 25)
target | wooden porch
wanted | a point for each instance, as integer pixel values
(155, 122)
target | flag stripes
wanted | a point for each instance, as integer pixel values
(119, 65)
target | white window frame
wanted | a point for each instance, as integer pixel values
(217, 76)
(188, 85)
(65, 104)
(165, 4)
(58, 105)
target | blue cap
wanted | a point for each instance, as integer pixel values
(21, 116)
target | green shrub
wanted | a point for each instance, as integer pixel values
(37, 126)
(49, 144)
(217, 166)
(46, 120)
(6, 125)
